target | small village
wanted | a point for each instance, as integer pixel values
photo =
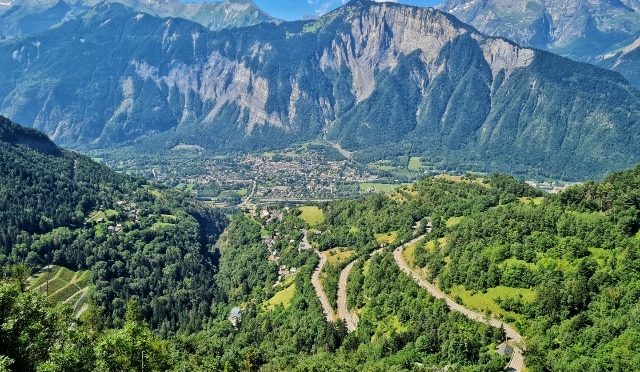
(298, 173)
(268, 216)
(125, 215)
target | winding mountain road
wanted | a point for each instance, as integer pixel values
(516, 363)
(317, 285)
(350, 319)
(517, 360)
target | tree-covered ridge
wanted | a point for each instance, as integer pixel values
(564, 270)
(43, 187)
(355, 223)
(140, 242)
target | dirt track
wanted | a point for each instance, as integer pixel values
(517, 360)
(317, 285)
(349, 318)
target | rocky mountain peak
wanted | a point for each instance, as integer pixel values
(369, 76)
(633, 4)
(25, 17)
(575, 28)
(380, 34)
(227, 13)
(594, 31)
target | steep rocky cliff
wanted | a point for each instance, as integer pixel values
(626, 61)
(379, 78)
(590, 31)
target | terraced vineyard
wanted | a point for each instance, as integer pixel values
(62, 285)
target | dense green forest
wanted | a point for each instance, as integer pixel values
(167, 272)
(565, 270)
(44, 187)
(402, 326)
(140, 242)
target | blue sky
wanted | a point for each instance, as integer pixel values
(296, 9)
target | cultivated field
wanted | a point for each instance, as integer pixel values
(62, 285)
(312, 215)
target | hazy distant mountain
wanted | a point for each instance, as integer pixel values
(27, 17)
(214, 15)
(6, 4)
(379, 78)
(578, 29)
(229, 13)
(625, 60)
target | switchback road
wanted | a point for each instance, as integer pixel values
(350, 319)
(517, 360)
(317, 285)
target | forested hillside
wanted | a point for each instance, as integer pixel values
(402, 325)
(561, 269)
(558, 268)
(282, 325)
(140, 242)
(44, 187)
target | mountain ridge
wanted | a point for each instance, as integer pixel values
(34, 16)
(16, 135)
(363, 75)
(59, 207)
(584, 31)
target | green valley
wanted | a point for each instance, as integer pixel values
(549, 266)
(200, 186)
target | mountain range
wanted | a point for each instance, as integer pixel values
(26, 17)
(378, 78)
(602, 32)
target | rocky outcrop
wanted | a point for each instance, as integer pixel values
(589, 31)
(575, 28)
(625, 61)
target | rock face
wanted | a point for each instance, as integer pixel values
(379, 78)
(226, 14)
(213, 15)
(626, 61)
(583, 30)
(27, 17)
(19, 18)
